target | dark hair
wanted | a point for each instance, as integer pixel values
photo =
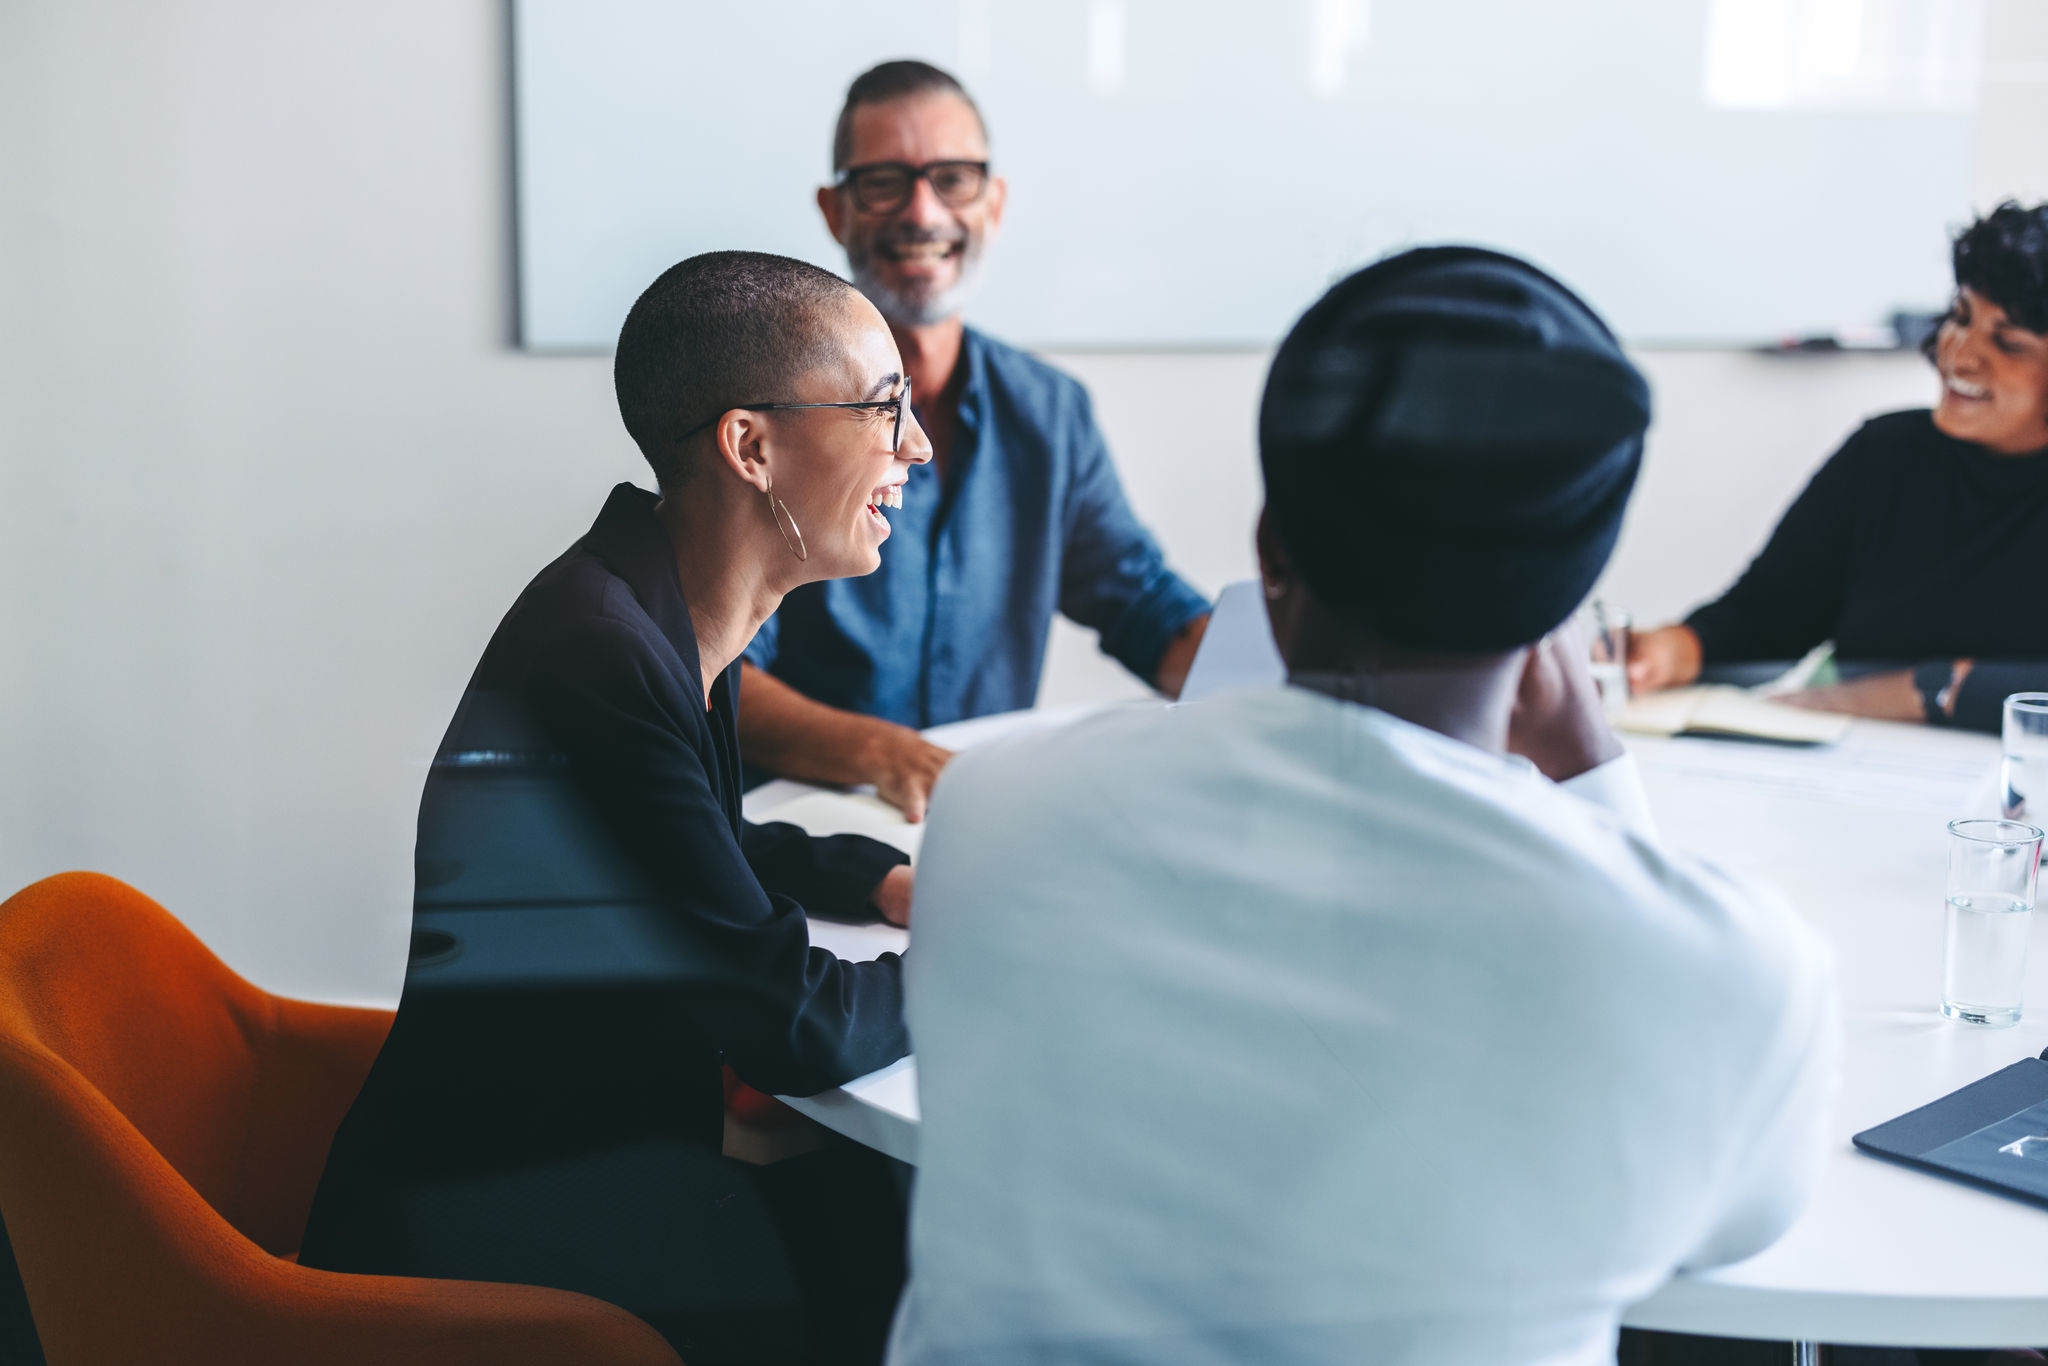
(897, 80)
(2004, 257)
(716, 331)
(1449, 438)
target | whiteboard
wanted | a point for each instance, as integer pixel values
(1193, 173)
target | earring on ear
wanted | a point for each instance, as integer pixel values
(779, 510)
(1274, 591)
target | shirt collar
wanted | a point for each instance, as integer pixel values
(975, 352)
(634, 545)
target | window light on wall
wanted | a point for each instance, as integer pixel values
(1843, 54)
(1339, 29)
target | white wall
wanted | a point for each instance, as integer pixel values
(270, 472)
(1736, 436)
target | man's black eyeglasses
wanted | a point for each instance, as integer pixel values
(900, 404)
(886, 186)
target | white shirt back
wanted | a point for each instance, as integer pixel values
(1274, 1028)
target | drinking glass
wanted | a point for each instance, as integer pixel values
(1607, 642)
(1992, 866)
(2025, 742)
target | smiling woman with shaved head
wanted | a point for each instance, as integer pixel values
(1916, 547)
(600, 941)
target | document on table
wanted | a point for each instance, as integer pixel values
(1862, 771)
(1721, 710)
(849, 813)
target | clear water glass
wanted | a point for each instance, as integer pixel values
(2024, 752)
(1992, 869)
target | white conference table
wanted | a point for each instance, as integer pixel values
(1854, 833)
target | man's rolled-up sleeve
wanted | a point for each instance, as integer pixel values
(1113, 577)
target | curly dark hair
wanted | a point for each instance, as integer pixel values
(2004, 257)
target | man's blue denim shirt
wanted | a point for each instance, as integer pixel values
(1029, 520)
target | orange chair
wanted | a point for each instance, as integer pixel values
(162, 1128)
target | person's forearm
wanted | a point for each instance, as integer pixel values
(1558, 723)
(1789, 599)
(833, 876)
(1977, 690)
(1889, 696)
(782, 730)
(1172, 674)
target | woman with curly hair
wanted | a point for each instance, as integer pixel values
(1913, 547)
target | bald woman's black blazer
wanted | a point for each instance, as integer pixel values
(596, 928)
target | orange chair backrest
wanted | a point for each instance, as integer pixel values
(238, 1090)
(162, 1128)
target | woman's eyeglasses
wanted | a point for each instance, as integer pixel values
(886, 186)
(900, 405)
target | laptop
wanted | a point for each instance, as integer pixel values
(1237, 650)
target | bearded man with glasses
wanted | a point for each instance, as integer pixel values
(1019, 515)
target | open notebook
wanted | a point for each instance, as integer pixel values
(1722, 710)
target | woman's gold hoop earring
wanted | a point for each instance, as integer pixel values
(779, 510)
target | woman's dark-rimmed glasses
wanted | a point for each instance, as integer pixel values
(886, 186)
(900, 404)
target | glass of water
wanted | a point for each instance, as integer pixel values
(2024, 751)
(1992, 866)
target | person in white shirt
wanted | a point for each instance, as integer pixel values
(1363, 1019)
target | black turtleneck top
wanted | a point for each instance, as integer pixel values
(1907, 547)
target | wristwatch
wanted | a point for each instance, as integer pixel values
(1936, 682)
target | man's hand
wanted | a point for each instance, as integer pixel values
(788, 733)
(1668, 657)
(1172, 674)
(903, 765)
(892, 898)
(1883, 697)
(1558, 723)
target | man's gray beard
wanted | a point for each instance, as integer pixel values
(903, 312)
